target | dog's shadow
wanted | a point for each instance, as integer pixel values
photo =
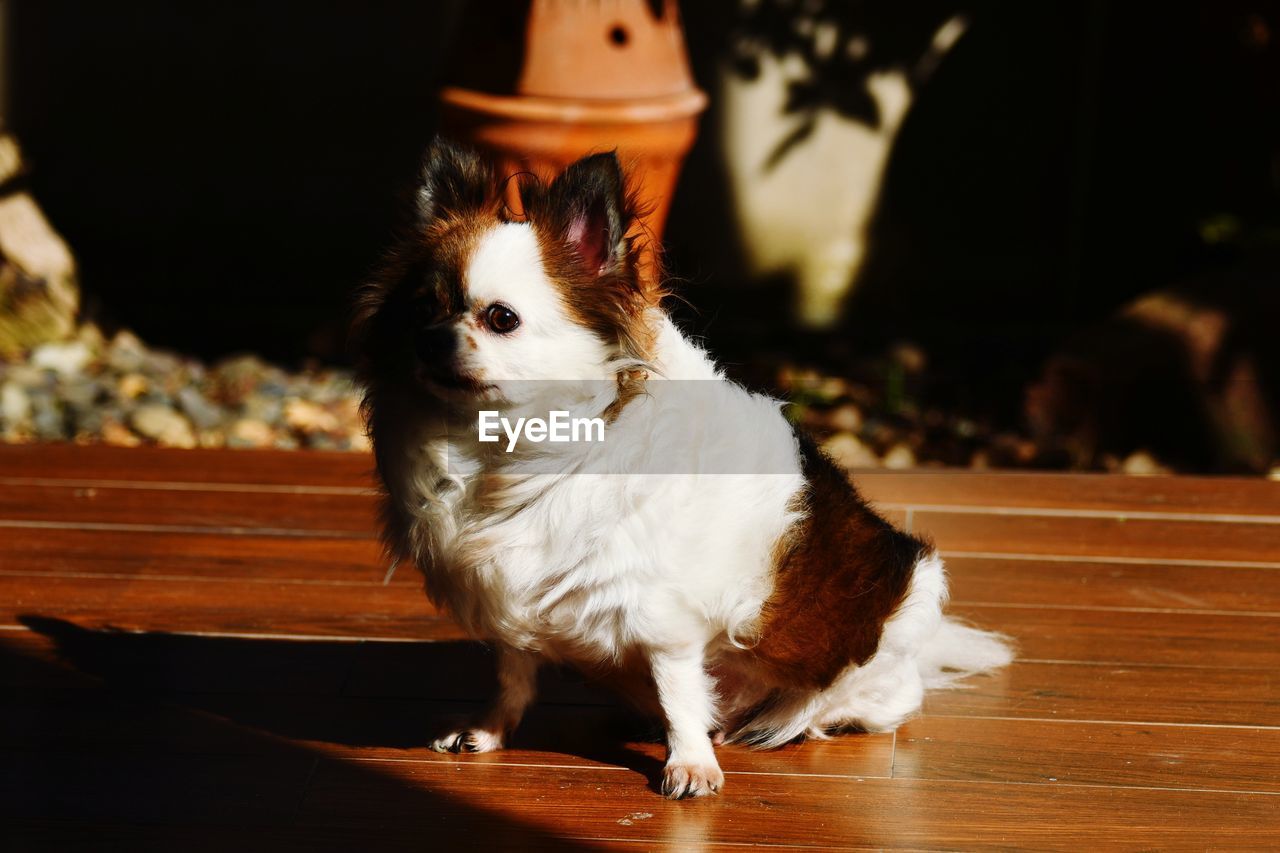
(367, 695)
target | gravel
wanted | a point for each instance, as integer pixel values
(117, 390)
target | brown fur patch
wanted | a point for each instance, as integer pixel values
(612, 301)
(839, 576)
(613, 306)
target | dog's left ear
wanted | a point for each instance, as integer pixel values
(454, 179)
(589, 200)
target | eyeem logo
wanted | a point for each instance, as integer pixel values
(558, 427)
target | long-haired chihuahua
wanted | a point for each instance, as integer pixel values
(695, 549)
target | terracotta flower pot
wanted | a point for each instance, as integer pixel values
(542, 83)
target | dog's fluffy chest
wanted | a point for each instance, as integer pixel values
(554, 567)
(671, 527)
(587, 567)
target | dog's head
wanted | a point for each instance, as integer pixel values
(477, 299)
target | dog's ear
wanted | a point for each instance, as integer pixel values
(589, 201)
(454, 180)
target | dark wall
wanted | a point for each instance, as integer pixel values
(225, 172)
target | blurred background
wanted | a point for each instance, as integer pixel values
(979, 234)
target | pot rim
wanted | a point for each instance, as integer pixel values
(588, 110)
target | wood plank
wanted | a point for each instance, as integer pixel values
(1134, 694)
(332, 514)
(595, 803)
(1178, 639)
(1203, 495)
(131, 735)
(226, 606)
(1155, 540)
(976, 580)
(197, 555)
(77, 463)
(1246, 496)
(1038, 751)
(1029, 690)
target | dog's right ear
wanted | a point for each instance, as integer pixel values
(454, 180)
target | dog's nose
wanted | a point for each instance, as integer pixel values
(434, 343)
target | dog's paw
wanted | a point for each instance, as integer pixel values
(468, 740)
(685, 779)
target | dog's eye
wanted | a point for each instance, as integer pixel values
(501, 319)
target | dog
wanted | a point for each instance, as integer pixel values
(704, 557)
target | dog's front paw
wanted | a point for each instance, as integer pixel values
(468, 740)
(685, 779)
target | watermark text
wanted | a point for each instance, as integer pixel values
(557, 427)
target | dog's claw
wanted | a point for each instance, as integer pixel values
(682, 781)
(468, 740)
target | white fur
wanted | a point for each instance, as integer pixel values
(609, 567)
(507, 267)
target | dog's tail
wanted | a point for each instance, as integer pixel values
(946, 650)
(958, 650)
(919, 649)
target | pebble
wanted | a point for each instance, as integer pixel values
(163, 425)
(211, 438)
(126, 353)
(248, 432)
(846, 418)
(66, 358)
(114, 432)
(26, 376)
(235, 378)
(848, 450)
(49, 423)
(1140, 463)
(308, 417)
(132, 386)
(900, 457)
(204, 414)
(89, 427)
(81, 394)
(263, 408)
(15, 406)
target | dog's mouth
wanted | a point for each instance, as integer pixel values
(451, 384)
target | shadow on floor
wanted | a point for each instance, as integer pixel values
(154, 737)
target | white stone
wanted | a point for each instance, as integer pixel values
(15, 405)
(900, 457)
(65, 358)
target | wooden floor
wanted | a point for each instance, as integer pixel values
(205, 650)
